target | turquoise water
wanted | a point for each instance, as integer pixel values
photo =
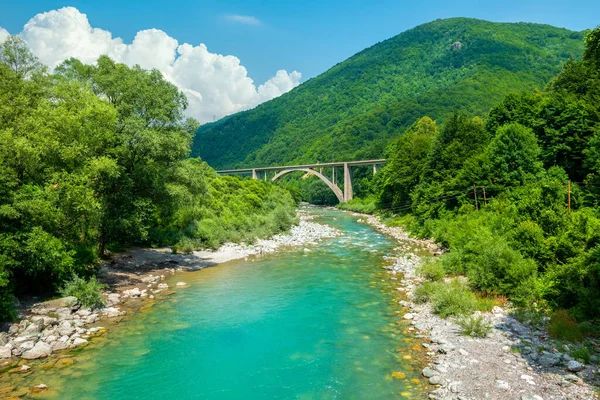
(291, 325)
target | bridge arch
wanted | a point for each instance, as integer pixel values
(336, 190)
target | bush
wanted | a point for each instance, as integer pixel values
(432, 271)
(452, 298)
(475, 326)
(87, 292)
(562, 326)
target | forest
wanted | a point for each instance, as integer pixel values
(95, 158)
(513, 196)
(353, 110)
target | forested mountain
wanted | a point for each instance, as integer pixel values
(352, 110)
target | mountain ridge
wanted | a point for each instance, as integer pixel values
(355, 107)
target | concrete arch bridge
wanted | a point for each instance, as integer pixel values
(324, 171)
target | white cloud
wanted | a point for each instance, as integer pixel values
(216, 85)
(243, 19)
(3, 34)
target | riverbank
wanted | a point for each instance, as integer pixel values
(515, 361)
(136, 280)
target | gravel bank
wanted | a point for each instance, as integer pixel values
(513, 362)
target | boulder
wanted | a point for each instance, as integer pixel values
(5, 352)
(79, 342)
(549, 359)
(40, 350)
(574, 366)
(53, 305)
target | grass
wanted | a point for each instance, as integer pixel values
(475, 326)
(581, 353)
(564, 327)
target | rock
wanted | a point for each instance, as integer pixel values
(5, 352)
(440, 368)
(24, 368)
(64, 362)
(436, 380)
(180, 284)
(163, 286)
(446, 348)
(28, 345)
(571, 378)
(52, 305)
(84, 312)
(574, 366)
(531, 397)
(40, 350)
(428, 372)
(39, 388)
(13, 330)
(112, 312)
(59, 345)
(456, 46)
(79, 342)
(90, 319)
(454, 387)
(463, 352)
(549, 359)
(113, 299)
(65, 329)
(135, 292)
(502, 385)
(408, 316)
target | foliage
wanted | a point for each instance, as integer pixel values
(363, 205)
(94, 158)
(496, 193)
(432, 271)
(475, 325)
(356, 108)
(89, 293)
(562, 326)
(447, 298)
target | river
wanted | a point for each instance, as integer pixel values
(318, 324)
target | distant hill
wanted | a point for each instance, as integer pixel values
(352, 110)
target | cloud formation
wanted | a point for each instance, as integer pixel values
(216, 85)
(243, 19)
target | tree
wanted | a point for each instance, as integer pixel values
(513, 155)
(405, 163)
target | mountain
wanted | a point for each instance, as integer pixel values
(352, 110)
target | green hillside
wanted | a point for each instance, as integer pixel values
(352, 110)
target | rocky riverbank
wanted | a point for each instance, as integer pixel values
(136, 279)
(515, 361)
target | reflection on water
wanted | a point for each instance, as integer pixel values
(292, 325)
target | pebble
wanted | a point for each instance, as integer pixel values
(408, 316)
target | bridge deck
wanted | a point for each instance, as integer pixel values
(323, 165)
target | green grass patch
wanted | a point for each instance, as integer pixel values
(431, 270)
(564, 327)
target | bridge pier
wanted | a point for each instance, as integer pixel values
(347, 183)
(254, 175)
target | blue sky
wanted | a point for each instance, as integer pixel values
(308, 36)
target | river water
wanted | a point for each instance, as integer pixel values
(322, 324)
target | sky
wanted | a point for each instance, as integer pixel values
(232, 55)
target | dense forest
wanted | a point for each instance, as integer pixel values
(354, 109)
(96, 158)
(513, 196)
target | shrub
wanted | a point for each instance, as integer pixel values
(453, 298)
(562, 326)
(432, 271)
(424, 292)
(87, 292)
(475, 326)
